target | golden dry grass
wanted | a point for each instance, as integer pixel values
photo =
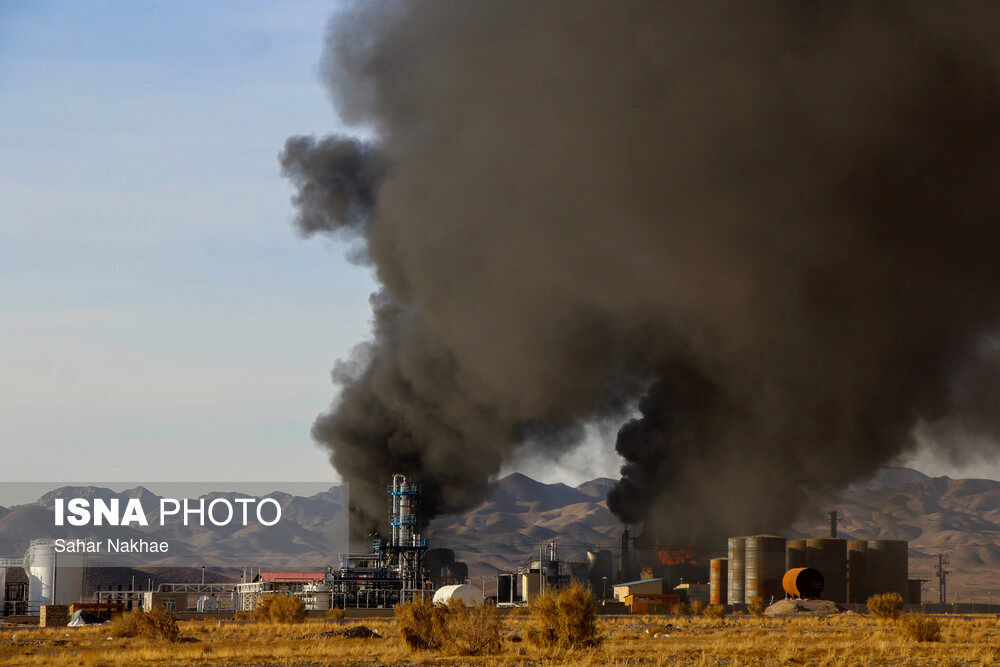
(847, 639)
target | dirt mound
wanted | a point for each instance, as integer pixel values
(353, 632)
(803, 608)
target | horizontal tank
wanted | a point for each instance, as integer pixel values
(803, 582)
(466, 594)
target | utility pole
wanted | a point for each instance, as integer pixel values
(942, 575)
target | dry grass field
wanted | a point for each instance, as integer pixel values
(845, 639)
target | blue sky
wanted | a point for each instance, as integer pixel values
(159, 318)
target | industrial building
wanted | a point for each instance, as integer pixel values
(769, 568)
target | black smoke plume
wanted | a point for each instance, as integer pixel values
(774, 225)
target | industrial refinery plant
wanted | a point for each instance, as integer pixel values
(636, 577)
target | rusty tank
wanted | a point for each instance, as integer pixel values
(803, 582)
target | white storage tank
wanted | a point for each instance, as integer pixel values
(464, 593)
(52, 578)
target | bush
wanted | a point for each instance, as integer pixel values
(885, 605)
(680, 609)
(156, 625)
(473, 630)
(280, 609)
(698, 607)
(567, 620)
(716, 611)
(336, 614)
(922, 628)
(756, 606)
(421, 624)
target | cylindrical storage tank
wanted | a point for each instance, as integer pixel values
(829, 556)
(857, 571)
(803, 582)
(888, 567)
(39, 565)
(52, 578)
(765, 566)
(718, 580)
(464, 593)
(796, 554)
(914, 596)
(735, 592)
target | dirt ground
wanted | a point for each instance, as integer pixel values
(842, 639)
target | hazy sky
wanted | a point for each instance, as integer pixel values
(159, 318)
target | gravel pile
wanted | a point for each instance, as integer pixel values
(803, 608)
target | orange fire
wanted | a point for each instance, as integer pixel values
(676, 556)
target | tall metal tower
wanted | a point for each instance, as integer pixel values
(942, 575)
(404, 551)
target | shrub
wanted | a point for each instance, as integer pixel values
(336, 614)
(922, 628)
(519, 611)
(756, 606)
(698, 607)
(885, 605)
(567, 620)
(680, 609)
(716, 611)
(421, 624)
(473, 630)
(156, 625)
(280, 609)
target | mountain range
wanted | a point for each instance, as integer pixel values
(959, 518)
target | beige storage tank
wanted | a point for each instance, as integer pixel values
(718, 580)
(857, 571)
(765, 566)
(796, 554)
(829, 556)
(735, 593)
(888, 567)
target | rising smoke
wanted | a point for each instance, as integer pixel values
(774, 225)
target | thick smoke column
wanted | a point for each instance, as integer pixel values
(772, 224)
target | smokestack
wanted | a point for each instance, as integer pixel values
(833, 522)
(729, 229)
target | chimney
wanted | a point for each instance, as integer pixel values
(833, 522)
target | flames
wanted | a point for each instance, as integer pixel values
(676, 556)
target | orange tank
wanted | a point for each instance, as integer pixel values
(803, 582)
